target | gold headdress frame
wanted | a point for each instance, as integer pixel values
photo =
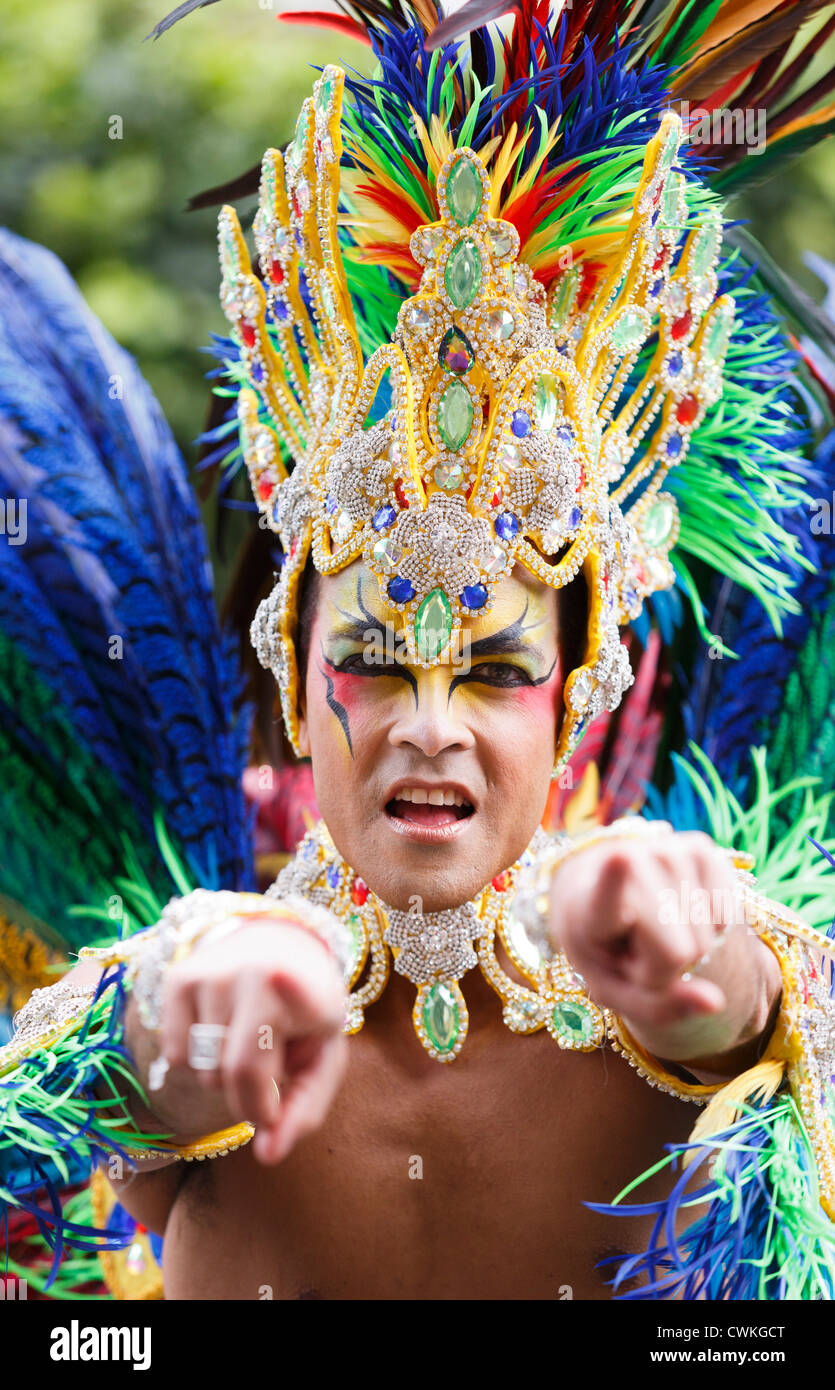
(515, 425)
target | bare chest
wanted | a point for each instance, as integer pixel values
(428, 1181)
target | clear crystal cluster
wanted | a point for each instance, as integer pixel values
(501, 426)
(434, 945)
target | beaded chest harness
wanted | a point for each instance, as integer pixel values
(434, 950)
(500, 426)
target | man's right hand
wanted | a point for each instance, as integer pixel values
(278, 991)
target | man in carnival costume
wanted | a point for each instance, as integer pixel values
(504, 398)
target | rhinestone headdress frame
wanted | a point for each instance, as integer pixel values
(513, 422)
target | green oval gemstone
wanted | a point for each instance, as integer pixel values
(718, 332)
(456, 352)
(627, 331)
(441, 1017)
(455, 415)
(705, 250)
(671, 202)
(549, 400)
(573, 1022)
(325, 94)
(668, 150)
(462, 276)
(658, 522)
(357, 944)
(562, 304)
(464, 191)
(268, 181)
(299, 139)
(433, 625)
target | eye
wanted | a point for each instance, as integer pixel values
(356, 665)
(500, 674)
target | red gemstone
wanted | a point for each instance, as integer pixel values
(661, 258)
(582, 482)
(468, 494)
(501, 882)
(296, 205)
(248, 334)
(359, 891)
(681, 327)
(687, 410)
(277, 272)
(497, 497)
(265, 489)
(400, 493)
(294, 545)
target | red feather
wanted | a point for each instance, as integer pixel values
(342, 23)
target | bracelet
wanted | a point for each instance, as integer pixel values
(650, 1068)
(532, 901)
(202, 916)
(48, 1015)
(225, 1141)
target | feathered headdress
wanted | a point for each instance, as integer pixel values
(490, 323)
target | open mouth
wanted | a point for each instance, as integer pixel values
(428, 811)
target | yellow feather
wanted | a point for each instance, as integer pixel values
(759, 1084)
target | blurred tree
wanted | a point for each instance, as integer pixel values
(104, 137)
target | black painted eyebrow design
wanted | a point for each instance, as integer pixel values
(509, 642)
(472, 675)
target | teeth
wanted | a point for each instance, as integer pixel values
(438, 796)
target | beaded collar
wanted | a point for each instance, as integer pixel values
(436, 949)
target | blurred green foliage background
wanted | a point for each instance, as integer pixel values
(198, 106)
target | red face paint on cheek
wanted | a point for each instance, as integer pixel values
(540, 702)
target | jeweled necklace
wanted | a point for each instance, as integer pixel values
(435, 949)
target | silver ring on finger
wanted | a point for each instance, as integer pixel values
(205, 1045)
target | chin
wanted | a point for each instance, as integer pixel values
(405, 873)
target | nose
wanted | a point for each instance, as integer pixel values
(427, 722)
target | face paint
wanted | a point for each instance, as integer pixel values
(449, 767)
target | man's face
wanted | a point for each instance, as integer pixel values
(431, 781)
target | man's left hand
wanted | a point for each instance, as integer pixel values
(656, 927)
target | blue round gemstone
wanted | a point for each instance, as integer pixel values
(656, 289)
(575, 517)
(674, 446)
(282, 313)
(474, 595)
(383, 517)
(257, 371)
(506, 525)
(333, 876)
(331, 504)
(565, 435)
(674, 364)
(400, 590)
(521, 423)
